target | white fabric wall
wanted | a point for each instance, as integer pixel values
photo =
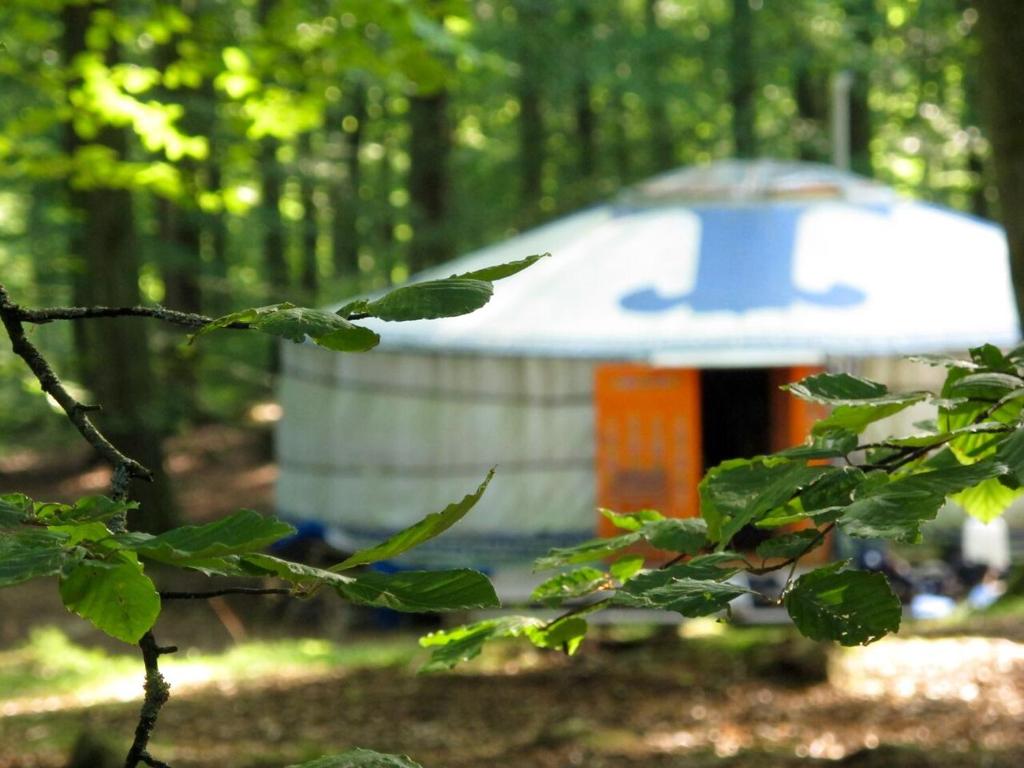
(371, 443)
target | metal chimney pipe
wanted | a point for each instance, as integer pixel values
(842, 82)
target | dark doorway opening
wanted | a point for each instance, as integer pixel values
(735, 414)
(736, 422)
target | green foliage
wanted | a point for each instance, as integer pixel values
(425, 530)
(115, 595)
(296, 323)
(978, 460)
(849, 607)
(360, 758)
(429, 300)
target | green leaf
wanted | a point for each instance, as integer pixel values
(325, 328)
(988, 499)
(501, 271)
(571, 584)
(632, 521)
(118, 598)
(244, 531)
(15, 508)
(296, 323)
(990, 356)
(897, 509)
(856, 402)
(30, 553)
(741, 491)
(242, 317)
(946, 361)
(452, 646)
(986, 385)
(1011, 453)
(421, 591)
(685, 536)
(667, 590)
(831, 443)
(837, 389)
(297, 573)
(425, 530)
(850, 607)
(588, 552)
(833, 489)
(359, 758)
(86, 509)
(564, 634)
(790, 545)
(626, 567)
(432, 299)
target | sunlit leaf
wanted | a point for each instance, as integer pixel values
(588, 552)
(421, 591)
(30, 553)
(501, 271)
(243, 531)
(426, 529)
(432, 299)
(359, 758)
(571, 584)
(452, 646)
(789, 545)
(631, 521)
(849, 607)
(988, 499)
(118, 598)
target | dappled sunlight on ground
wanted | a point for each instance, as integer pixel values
(669, 702)
(955, 668)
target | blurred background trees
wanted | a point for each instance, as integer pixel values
(210, 154)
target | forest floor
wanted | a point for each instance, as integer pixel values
(703, 695)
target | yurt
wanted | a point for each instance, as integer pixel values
(648, 347)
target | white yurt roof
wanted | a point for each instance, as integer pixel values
(739, 262)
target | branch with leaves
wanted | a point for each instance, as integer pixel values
(973, 453)
(101, 565)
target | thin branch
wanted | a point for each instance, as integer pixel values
(125, 468)
(822, 533)
(49, 314)
(157, 691)
(222, 592)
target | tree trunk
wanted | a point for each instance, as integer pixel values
(531, 120)
(114, 353)
(743, 84)
(310, 279)
(274, 261)
(586, 122)
(345, 190)
(863, 12)
(1001, 28)
(429, 188)
(810, 91)
(663, 152)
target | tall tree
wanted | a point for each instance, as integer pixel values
(663, 152)
(742, 78)
(114, 355)
(429, 185)
(348, 123)
(1001, 27)
(310, 223)
(531, 15)
(863, 15)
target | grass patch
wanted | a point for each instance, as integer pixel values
(50, 664)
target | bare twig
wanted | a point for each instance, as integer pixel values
(124, 467)
(157, 692)
(49, 314)
(226, 591)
